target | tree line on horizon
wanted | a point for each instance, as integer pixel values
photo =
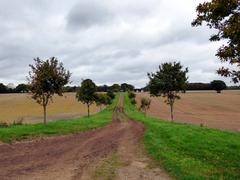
(24, 88)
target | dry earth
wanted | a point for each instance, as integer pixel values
(78, 156)
(208, 108)
(14, 107)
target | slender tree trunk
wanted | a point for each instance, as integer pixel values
(45, 114)
(171, 107)
(88, 110)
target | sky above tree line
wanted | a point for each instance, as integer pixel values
(106, 41)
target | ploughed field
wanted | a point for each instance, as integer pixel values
(17, 107)
(200, 107)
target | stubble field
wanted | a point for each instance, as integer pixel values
(15, 107)
(208, 108)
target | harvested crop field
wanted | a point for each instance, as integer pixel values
(14, 107)
(207, 108)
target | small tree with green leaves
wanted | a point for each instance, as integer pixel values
(145, 105)
(47, 78)
(168, 81)
(87, 93)
(132, 97)
(218, 85)
(102, 99)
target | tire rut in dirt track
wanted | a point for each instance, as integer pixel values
(67, 157)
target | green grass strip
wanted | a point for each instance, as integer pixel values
(189, 151)
(66, 126)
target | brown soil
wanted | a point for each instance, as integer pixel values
(71, 157)
(207, 108)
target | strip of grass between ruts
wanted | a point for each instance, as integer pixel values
(189, 151)
(66, 126)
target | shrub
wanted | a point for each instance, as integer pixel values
(111, 94)
(133, 101)
(131, 95)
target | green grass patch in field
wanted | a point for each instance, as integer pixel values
(189, 151)
(19, 132)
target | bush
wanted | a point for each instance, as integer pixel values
(111, 94)
(131, 95)
(133, 101)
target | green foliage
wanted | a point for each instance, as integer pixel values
(22, 88)
(127, 87)
(189, 151)
(111, 94)
(3, 88)
(102, 99)
(115, 88)
(145, 104)
(131, 95)
(133, 101)
(224, 16)
(67, 126)
(218, 85)
(168, 82)
(87, 93)
(47, 78)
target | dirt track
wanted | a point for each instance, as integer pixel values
(69, 157)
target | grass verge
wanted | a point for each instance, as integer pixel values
(66, 126)
(188, 151)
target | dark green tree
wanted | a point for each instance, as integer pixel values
(168, 82)
(22, 88)
(224, 16)
(127, 87)
(111, 94)
(218, 85)
(87, 93)
(102, 99)
(131, 95)
(3, 88)
(47, 78)
(115, 88)
(145, 105)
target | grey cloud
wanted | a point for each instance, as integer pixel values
(108, 41)
(86, 14)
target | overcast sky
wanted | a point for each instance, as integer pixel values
(109, 41)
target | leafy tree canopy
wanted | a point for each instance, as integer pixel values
(218, 85)
(168, 81)
(87, 92)
(47, 78)
(169, 78)
(224, 16)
